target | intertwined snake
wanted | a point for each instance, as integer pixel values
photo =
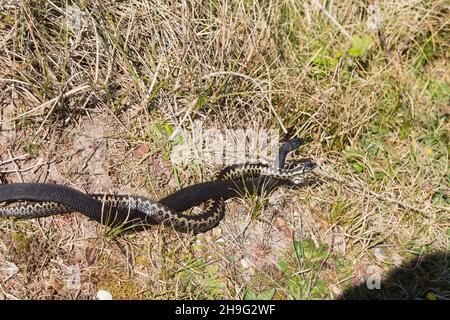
(44, 199)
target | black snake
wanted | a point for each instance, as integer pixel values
(44, 199)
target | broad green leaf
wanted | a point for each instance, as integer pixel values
(266, 294)
(164, 128)
(359, 46)
(304, 249)
(249, 295)
(284, 266)
(212, 269)
(324, 61)
(358, 166)
(322, 252)
(215, 283)
(355, 158)
(379, 175)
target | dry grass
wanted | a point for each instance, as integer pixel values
(86, 87)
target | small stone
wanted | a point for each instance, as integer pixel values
(104, 295)
(245, 263)
(379, 253)
(396, 259)
(9, 269)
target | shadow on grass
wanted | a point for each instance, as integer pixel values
(425, 277)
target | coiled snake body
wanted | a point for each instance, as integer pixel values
(44, 199)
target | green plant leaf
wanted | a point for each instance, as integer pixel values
(378, 174)
(296, 286)
(353, 154)
(322, 252)
(284, 266)
(358, 166)
(355, 158)
(164, 128)
(215, 283)
(320, 289)
(304, 249)
(249, 295)
(266, 294)
(212, 269)
(359, 46)
(324, 61)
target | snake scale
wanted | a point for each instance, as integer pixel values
(44, 199)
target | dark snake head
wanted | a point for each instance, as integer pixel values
(287, 147)
(292, 144)
(299, 168)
